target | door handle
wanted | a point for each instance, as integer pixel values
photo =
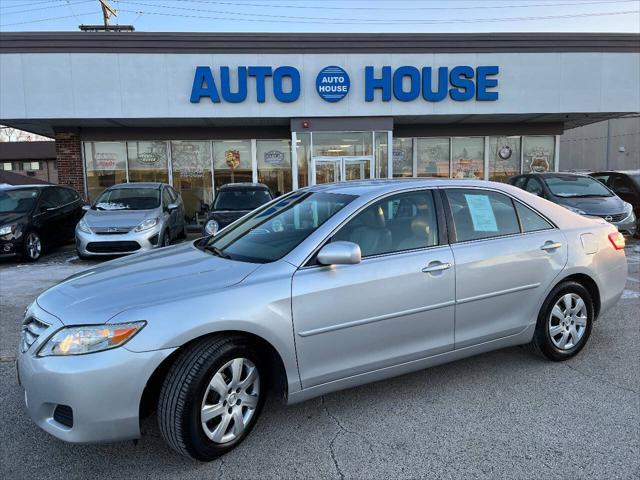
(436, 267)
(550, 246)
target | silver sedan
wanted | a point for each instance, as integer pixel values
(326, 288)
(131, 217)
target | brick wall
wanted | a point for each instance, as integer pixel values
(69, 160)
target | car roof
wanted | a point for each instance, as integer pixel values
(241, 185)
(557, 174)
(623, 172)
(138, 185)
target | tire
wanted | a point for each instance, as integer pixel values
(183, 232)
(82, 256)
(166, 238)
(560, 334)
(187, 390)
(31, 246)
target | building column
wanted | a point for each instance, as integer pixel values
(69, 161)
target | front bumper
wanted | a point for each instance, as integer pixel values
(11, 247)
(94, 244)
(629, 225)
(103, 389)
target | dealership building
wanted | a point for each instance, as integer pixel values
(289, 110)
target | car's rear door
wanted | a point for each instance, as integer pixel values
(506, 255)
(49, 218)
(397, 305)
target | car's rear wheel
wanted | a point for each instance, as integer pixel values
(564, 322)
(211, 397)
(166, 238)
(32, 247)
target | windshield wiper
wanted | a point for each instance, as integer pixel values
(216, 251)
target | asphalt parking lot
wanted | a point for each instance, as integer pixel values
(505, 414)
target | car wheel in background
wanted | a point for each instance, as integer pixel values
(82, 256)
(211, 397)
(166, 238)
(182, 234)
(564, 322)
(32, 247)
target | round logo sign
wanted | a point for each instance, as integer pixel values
(505, 152)
(332, 84)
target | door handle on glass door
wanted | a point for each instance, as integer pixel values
(550, 246)
(436, 267)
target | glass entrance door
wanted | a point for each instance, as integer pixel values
(339, 169)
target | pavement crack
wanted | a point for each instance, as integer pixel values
(220, 465)
(600, 379)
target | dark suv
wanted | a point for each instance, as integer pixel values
(626, 185)
(233, 201)
(33, 217)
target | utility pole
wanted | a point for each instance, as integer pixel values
(107, 12)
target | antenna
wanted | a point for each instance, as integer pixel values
(107, 12)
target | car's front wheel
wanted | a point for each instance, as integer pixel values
(211, 397)
(565, 322)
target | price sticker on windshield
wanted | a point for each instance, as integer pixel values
(482, 216)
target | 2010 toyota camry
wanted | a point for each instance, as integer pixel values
(326, 288)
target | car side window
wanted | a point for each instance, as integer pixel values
(479, 214)
(621, 184)
(67, 195)
(530, 221)
(51, 198)
(534, 186)
(166, 198)
(405, 221)
(602, 178)
(173, 194)
(519, 182)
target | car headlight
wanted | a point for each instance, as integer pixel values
(7, 229)
(89, 339)
(575, 210)
(83, 227)
(211, 227)
(147, 224)
(628, 208)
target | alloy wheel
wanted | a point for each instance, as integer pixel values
(230, 400)
(34, 246)
(568, 321)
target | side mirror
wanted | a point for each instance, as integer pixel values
(340, 253)
(86, 207)
(172, 206)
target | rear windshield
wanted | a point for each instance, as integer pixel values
(577, 186)
(18, 201)
(241, 199)
(128, 199)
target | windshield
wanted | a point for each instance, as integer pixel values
(128, 199)
(271, 232)
(636, 178)
(577, 186)
(241, 199)
(18, 201)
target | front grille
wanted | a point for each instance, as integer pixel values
(113, 247)
(614, 217)
(110, 230)
(63, 414)
(32, 328)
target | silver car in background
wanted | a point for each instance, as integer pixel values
(129, 218)
(325, 288)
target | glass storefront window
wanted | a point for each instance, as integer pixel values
(504, 158)
(381, 159)
(147, 161)
(467, 157)
(191, 171)
(231, 162)
(274, 165)
(403, 157)
(433, 157)
(538, 154)
(105, 165)
(303, 148)
(342, 144)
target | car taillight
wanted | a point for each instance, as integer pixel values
(617, 240)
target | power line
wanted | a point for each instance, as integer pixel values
(3, 6)
(47, 7)
(387, 22)
(47, 19)
(323, 7)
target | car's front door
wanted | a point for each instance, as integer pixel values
(506, 256)
(395, 306)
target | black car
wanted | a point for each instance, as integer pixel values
(233, 201)
(34, 217)
(625, 184)
(581, 194)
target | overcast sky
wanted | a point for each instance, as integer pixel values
(329, 15)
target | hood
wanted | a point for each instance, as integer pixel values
(595, 205)
(96, 295)
(225, 217)
(12, 217)
(116, 218)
